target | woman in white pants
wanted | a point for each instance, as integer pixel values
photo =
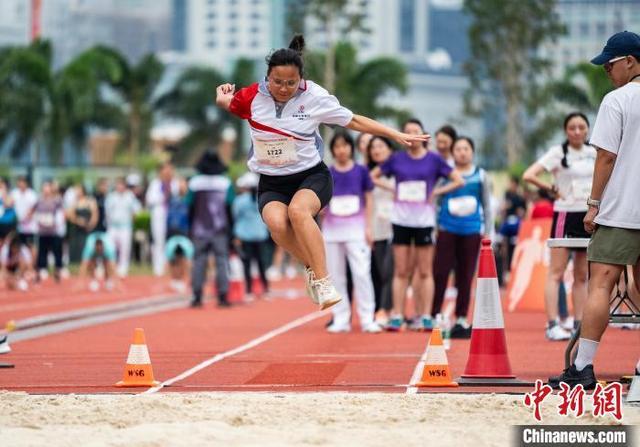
(120, 208)
(347, 234)
(158, 195)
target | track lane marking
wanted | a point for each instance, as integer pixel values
(417, 372)
(245, 347)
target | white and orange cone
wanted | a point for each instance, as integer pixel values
(138, 370)
(436, 369)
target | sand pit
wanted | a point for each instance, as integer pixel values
(272, 419)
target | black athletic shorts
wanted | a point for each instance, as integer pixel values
(569, 225)
(420, 237)
(282, 188)
(27, 238)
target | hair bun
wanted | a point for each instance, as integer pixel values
(297, 43)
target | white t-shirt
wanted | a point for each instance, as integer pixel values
(617, 130)
(120, 209)
(23, 204)
(285, 139)
(574, 182)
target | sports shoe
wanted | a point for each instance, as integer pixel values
(372, 328)
(427, 323)
(460, 332)
(556, 333)
(22, 285)
(567, 324)
(394, 324)
(94, 286)
(325, 292)
(415, 324)
(273, 274)
(309, 277)
(4, 344)
(337, 329)
(572, 377)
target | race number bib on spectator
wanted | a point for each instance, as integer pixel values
(46, 220)
(412, 191)
(275, 151)
(581, 188)
(344, 205)
(463, 206)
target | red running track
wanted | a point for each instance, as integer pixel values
(92, 359)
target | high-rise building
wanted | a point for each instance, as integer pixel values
(15, 20)
(589, 23)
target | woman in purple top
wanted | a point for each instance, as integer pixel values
(416, 172)
(346, 228)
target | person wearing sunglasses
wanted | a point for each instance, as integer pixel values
(613, 216)
(284, 112)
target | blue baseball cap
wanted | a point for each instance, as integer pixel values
(624, 43)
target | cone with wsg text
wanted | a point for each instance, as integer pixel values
(138, 370)
(436, 369)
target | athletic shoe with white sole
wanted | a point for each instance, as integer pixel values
(4, 344)
(556, 333)
(372, 328)
(394, 324)
(337, 329)
(309, 277)
(567, 324)
(325, 292)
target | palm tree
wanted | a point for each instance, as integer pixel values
(361, 85)
(25, 83)
(192, 100)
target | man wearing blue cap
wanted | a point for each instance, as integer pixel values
(613, 218)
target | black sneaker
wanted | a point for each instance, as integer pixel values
(460, 332)
(572, 377)
(196, 302)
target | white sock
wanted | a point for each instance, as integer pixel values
(586, 352)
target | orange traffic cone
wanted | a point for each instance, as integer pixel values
(436, 368)
(138, 370)
(488, 362)
(236, 280)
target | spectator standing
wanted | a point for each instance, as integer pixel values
(8, 218)
(83, 217)
(157, 198)
(249, 230)
(24, 199)
(50, 218)
(120, 208)
(210, 225)
(102, 190)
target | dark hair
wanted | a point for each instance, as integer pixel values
(415, 121)
(565, 145)
(288, 56)
(467, 139)
(344, 136)
(370, 163)
(544, 194)
(449, 131)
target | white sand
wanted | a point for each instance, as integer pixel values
(272, 419)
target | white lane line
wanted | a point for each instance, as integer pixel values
(417, 372)
(251, 344)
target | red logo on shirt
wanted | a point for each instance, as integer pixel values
(300, 113)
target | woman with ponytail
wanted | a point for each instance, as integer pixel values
(284, 112)
(571, 165)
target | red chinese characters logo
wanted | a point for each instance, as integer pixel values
(606, 400)
(536, 398)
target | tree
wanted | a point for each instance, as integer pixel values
(191, 100)
(25, 84)
(361, 85)
(504, 41)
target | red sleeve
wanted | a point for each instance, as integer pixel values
(241, 102)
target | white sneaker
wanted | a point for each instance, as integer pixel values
(273, 274)
(23, 286)
(556, 333)
(309, 277)
(372, 328)
(567, 324)
(291, 272)
(4, 344)
(335, 329)
(326, 293)
(249, 298)
(94, 286)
